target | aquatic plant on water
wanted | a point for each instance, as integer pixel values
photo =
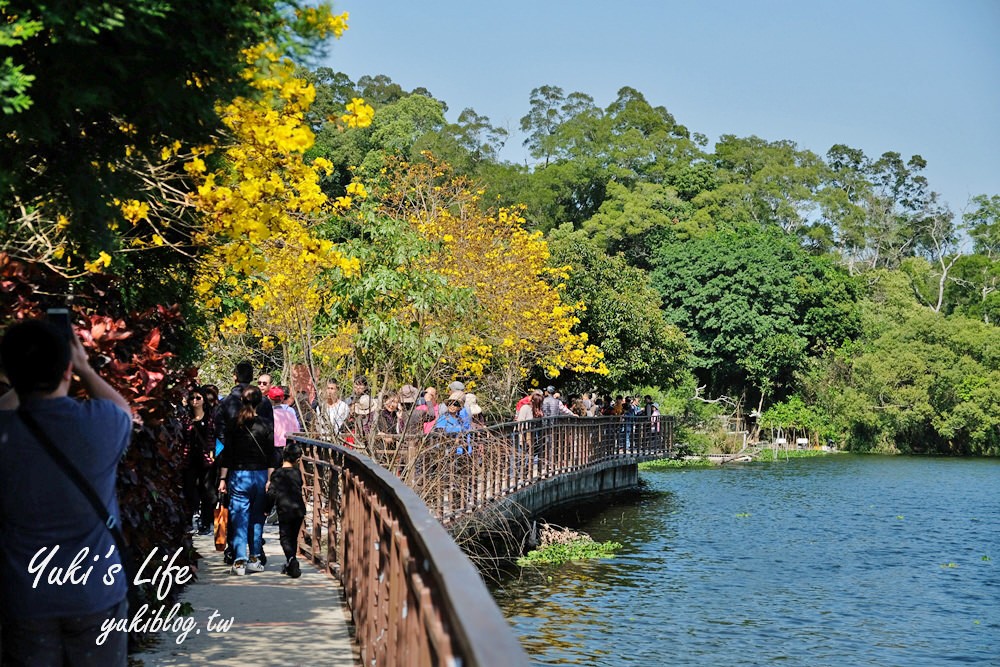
(769, 454)
(673, 464)
(560, 545)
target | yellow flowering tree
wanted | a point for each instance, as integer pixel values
(267, 266)
(94, 180)
(519, 321)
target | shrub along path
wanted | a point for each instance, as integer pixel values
(276, 620)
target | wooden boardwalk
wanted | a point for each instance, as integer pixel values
(276, 621)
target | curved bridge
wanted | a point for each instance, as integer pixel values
(378, 524)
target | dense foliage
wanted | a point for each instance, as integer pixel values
(94, 93)
(769, 260)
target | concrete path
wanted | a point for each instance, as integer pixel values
(276, 621)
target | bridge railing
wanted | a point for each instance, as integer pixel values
(414, 596)
(462, 473)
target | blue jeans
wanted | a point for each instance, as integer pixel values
(246, 510)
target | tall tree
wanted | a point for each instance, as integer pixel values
(623, 318)
(876, 206)
(542, 121)
(586, 148)
(762, 182)
(977, 276)
(755, 306)
(636, 221)
(334, 91)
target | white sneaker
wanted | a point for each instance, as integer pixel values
(254, 565)
(239, 567)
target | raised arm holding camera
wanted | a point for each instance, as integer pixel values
(61, 575)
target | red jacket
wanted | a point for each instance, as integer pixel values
(524, 401)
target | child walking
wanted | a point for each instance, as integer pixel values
(286, 490)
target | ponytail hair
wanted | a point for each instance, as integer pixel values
(249, 401)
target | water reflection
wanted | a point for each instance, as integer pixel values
(838, 561)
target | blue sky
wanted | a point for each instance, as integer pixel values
(915, 76)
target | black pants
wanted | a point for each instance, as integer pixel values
(289, 526)
(68, 641)
(199, 492)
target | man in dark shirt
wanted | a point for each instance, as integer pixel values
(225, 419)
(230, 405)
(45, 520)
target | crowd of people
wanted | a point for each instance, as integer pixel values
(408, 411)
(549, 403)
(235, 445)
(234, 451)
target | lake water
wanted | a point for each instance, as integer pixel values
(841, 560)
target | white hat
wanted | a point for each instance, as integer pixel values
(363, 405)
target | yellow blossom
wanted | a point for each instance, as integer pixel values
(357, 189)
(103, 261)
(359, 114)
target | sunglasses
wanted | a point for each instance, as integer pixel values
(197, 398)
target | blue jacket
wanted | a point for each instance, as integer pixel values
(454, 423)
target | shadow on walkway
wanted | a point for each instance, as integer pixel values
(276, 621)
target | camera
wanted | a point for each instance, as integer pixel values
(60, 318)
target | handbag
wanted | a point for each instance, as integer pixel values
(220, 522)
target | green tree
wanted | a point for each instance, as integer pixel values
(584, 149)
(622, 317)
(976, 279)
(762, 182)
(467, 144)
(879, 209)
(380, 90)
(398, 128)
(547, 112)
(974, 287)
(334, 90)
(89, 83)
(926, 383)
(636, 221)
(755, 306)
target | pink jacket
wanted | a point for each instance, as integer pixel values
(285, 422)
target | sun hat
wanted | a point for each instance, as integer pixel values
(408, 394)
(456, 386)
(363, 405)
(457, 396)
(276, 393)
(472, 405)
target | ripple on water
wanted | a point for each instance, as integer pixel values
(837, 561)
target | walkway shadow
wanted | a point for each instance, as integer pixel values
(277, 621)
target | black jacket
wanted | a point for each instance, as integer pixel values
(286, 490)
(249, 447)
(229, 407)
